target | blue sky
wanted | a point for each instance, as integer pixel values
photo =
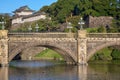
(7, 6)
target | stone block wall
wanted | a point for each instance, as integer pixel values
(98, 21)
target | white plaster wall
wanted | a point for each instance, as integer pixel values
(20, 20)
(24, 13)
(17, 20)
(35, 18)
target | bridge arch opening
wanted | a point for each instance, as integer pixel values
(17, 57)
(102, 46)
(48, 54)
(66, 56)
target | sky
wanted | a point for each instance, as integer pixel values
(8, 6)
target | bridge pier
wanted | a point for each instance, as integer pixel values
(82, 47)
(3, 48)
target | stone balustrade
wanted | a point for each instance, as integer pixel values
(103, 35)
(43, 35)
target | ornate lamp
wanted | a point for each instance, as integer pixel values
(36, 27)
(69, 26)
(81, 23)
(3, 23)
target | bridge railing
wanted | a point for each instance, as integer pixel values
(103, 35)
(43, 35)
(63, 35)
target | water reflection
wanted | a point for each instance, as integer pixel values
(55, 71)
(48, 72)
(103, 72)
(82, 72)
(4, 73)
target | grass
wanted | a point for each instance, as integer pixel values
(49, 54)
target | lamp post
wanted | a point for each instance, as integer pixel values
(81, 23)
(69, 26)
(3, 23)
(36, 27)
(30, 28)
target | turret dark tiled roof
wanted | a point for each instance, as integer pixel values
(23, 8)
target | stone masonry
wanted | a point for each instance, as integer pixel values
(98, 21)
(3, 47)
(75, 48)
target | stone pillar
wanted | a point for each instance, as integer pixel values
(82, 47)
(3, 48)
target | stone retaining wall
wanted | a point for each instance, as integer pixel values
(98, 21)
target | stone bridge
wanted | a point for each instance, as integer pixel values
(73, 47)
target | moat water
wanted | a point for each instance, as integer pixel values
(49, 70)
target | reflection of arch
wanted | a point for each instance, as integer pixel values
(58, 48)
(93, 51)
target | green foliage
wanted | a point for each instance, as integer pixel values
(107, 54)
(115, 26)
(66, 9)
(63, 9)
(74, 20)
(71, 30)
(96, 30)
(116, 54)
(44, 8)
(92, 30)
(104, 54)
(44, 25)
(101, 29)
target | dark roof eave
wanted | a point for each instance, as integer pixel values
(24, 11)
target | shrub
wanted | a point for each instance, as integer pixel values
(115, 54)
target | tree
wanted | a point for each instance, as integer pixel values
(76, 10)
(44, 9)
(63, 8)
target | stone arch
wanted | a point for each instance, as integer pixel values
(107, 44)
(61, 50)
